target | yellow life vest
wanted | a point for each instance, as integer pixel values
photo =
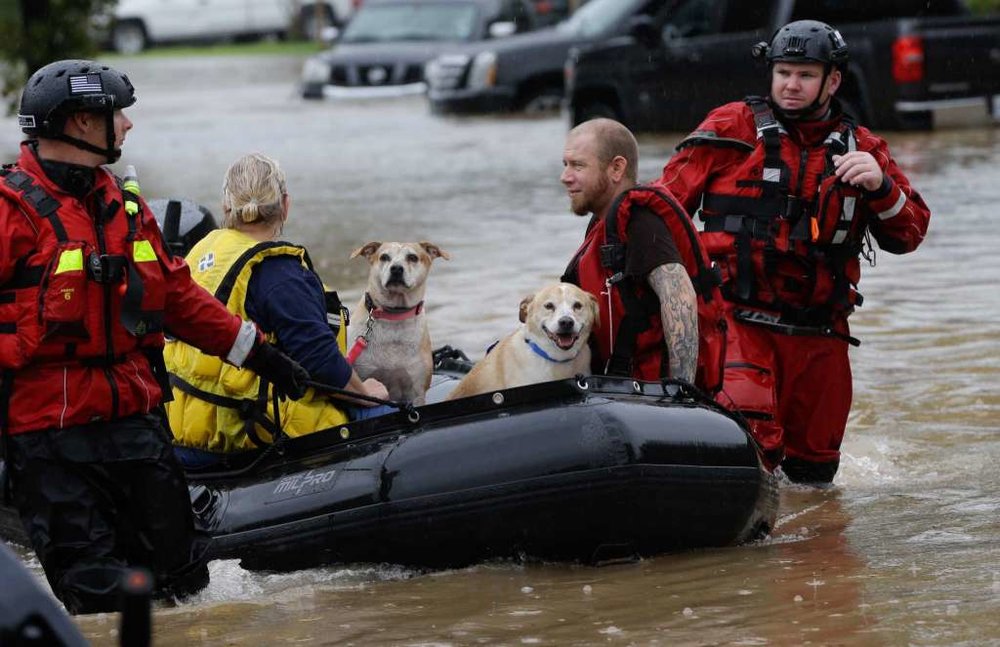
(206, 390)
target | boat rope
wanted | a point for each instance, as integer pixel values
(407, 407)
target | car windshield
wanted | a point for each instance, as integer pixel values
(416, 21)
(596, 17)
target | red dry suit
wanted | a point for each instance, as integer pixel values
(788, 236)
(629, 339)
(86, 290)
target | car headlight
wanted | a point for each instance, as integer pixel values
(484, 71)
(315, 70)
(445, 71)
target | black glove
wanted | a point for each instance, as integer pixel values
(287, 376)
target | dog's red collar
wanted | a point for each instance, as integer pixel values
(390, 313)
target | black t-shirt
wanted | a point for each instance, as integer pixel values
(650, 244)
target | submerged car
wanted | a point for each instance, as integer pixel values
(130, 26)
(383, 49)
(526, 72)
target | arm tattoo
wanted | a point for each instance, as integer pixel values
(679, 314)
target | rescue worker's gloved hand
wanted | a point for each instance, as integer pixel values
(287, 376)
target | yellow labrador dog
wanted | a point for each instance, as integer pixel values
(389, 329)
(550, 344)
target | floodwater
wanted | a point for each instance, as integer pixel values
(905, 550)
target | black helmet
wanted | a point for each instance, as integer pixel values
(62, 88)
(805, 41)
(183, 223)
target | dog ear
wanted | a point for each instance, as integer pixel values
(522, 310)
(595, 309)
(434, 250)
(366, 250)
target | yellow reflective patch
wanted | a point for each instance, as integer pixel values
(142, 251)
(70, 260)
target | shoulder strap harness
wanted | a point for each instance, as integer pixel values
(749, 218)
(639, 307)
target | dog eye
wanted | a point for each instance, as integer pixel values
(577, 305)
(550, 306)
(412, 258)
(385, 258)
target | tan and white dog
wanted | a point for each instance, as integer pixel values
(388, 329)
(550, 344)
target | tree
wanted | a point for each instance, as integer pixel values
(37, 32)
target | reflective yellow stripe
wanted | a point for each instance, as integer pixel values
(142, 251)
(70, 260)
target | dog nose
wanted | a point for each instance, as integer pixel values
(566, 324)
(396, 271)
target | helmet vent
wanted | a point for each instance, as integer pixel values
(795, 46)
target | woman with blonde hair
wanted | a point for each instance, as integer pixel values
(270, 282)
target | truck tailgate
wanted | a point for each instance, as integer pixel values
(961, 61)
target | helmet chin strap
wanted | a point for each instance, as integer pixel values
(110, 153)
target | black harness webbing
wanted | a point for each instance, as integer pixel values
(228, 282)
(44, 205)
(172, 227)
(638, 309)
(250, 411)
(754, 218)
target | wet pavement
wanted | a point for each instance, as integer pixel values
(904, 550)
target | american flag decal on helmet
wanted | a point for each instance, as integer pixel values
(85, 84)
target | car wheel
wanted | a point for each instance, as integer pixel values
(543, 101)
(594, 110)
(129, 37)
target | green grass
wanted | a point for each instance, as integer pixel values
(984, 6)
(262, 47)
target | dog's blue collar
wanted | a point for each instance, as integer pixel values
(541, 353)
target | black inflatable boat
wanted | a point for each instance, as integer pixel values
(591, 470)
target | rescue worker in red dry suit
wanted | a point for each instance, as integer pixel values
(87, 288)
(791, 190)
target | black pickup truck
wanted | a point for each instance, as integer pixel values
(524, 71)
(914, 64)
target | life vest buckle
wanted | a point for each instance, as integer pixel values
(796, 207)
(106, 268)
(613, 256)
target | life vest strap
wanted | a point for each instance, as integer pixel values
(758, 228)
(23, 277)
(775, 323)
(638, 309)
(249, 410)
(38, 199)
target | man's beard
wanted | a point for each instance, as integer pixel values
(583, 203)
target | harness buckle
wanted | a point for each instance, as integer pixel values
(795, 208)
(613, 256)
(106, 268)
